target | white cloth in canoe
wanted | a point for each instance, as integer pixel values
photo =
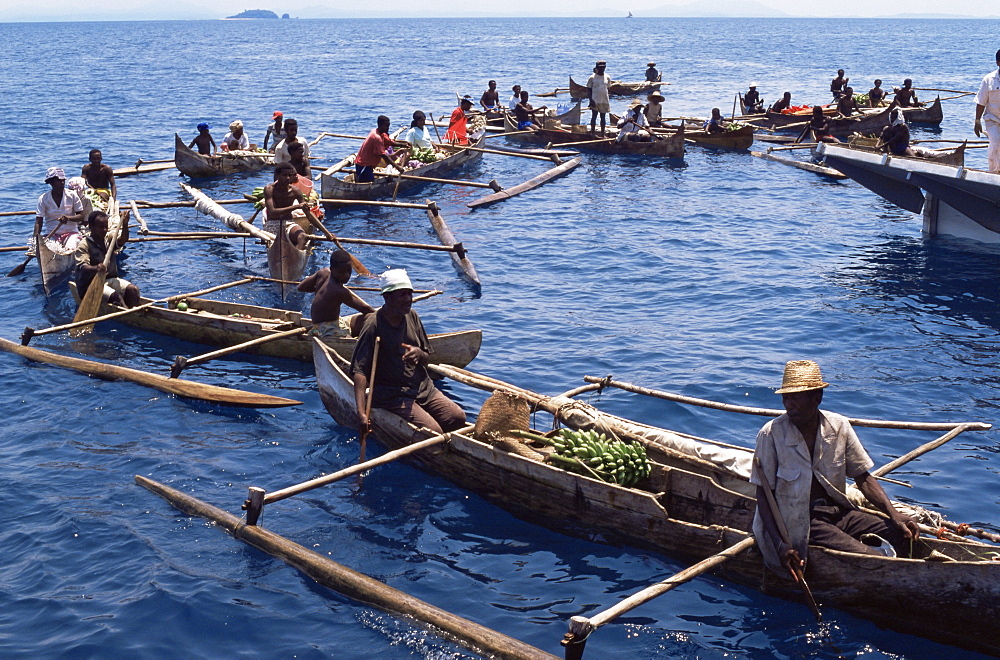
(736, 461)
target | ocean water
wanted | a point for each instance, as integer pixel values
(702, 278)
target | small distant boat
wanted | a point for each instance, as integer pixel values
(195, 165)
(629, 15)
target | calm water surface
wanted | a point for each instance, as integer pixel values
(702, 277)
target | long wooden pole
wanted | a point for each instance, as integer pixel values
(769, 412)
(190, 237)
(553, 159)
(779, 521)
(181, 362)
(14, 248)
(31, 332)
(454, 182)
(368, 400)
(580, 627)
(143, 204)
(399, 244)
(352, 584)
(919, 451)
(371, 202)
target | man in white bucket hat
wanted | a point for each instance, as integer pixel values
(805, 457)
(402, 385)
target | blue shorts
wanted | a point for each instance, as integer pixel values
(364, 173)
(523, 125)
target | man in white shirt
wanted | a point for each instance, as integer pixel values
(988, 114)
(598, 93)
(291, 135)
(236, 139)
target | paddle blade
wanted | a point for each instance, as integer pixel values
(90, 305)
(19, 268)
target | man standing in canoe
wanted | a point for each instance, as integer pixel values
(599, 96)
(838, 84)
(61, 211)
(328, 285)
(805, 457)
(457, 132)
(100, 176)
(490, 100)
(374, 151)
(402, 384)
(204, 140)
(988, 114)
(90, 257)
(291, 135)
(275, 130)
(281, 200)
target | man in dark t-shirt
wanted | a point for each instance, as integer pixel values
(402, 385)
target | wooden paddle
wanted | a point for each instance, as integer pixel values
(356, 264)
(796, 571)
(434, 124)
(181, 362)
(91, 302)
(368, 399)
(18, 269)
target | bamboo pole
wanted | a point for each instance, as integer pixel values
(920, 451)
(181, 362)
(801, 145)
(769, 412)
(938, 89)
(350, 583)
(553, 159)
(575, 144)
(400, 244)
(580, 627)
(454, 182)
(371, 202)
(29, 332)
(14, 248)
(189, 237)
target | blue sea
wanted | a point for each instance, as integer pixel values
(701, 277)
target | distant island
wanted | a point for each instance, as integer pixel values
(256, 13)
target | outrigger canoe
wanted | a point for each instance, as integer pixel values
(667, 146)
(949, 156)
(195, 165)
(221, 323)
(696, 502)
(739, 138)
(387, 186)
(617, 88)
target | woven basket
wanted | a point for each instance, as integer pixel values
(502, 412)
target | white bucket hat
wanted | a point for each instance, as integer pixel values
(394, 280)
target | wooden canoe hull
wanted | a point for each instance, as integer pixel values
(184, 388)
(671, 146)
(689, 514)
(930, 114)
(954, 157)
(220, 323)
(195, 165)
(617, 88)
(382, 187)
(741, 138)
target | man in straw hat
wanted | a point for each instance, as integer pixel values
(654, 108)
(806, 456)
(652, 75)
(402, 385)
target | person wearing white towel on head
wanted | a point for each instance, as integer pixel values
(988, 114)
(236, 139)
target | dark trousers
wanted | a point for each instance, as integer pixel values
(438, 413)
(364, 173)
(835, 527)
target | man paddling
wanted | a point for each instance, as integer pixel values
(988, 114)
(281, 200)
(90, 257)
(402, 384)
(599, 97)
(805, 456)
(328, 285)
(100, 176)
(60, 211)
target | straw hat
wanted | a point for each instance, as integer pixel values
(656, 96)
(801, 376)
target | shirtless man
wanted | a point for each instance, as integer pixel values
(906, 96)
(297, 156)
(328, 285)
(490, 100)
(847, 106)
(876, 94)
(281, 200)
(782, 104)
(525, 114)
(204, 140)
(100, 176)
(838, 84)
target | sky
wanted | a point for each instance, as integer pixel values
(48, 10)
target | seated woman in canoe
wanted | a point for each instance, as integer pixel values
(819, 124)
(417, 134)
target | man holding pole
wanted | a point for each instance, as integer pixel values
(988, 114)
(401, 385)
(90, 256)
(805, 457)
(329, 286)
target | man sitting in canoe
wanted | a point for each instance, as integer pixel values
(652, 75)
(282, 200)
(100, 176)
(752, 102)
(60, 211)
(490, 100)
(402, 384)
(297, 158)
(328, 285)
(204, 140)
(291, 135)
(847, 106)
(515, 97)
(715, 123)
(654, 109)
(525, 114)
(236, 139)
(838, 84)
(375, 151)
(633, 126)
(906, 96)
(819, 124)
(599, 96)
(782, 104)
(457, 132)
(876, 94)
(90, 257)
(805, 457)
(895, 138)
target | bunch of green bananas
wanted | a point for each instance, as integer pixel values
(258, 197)
(595, 455)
